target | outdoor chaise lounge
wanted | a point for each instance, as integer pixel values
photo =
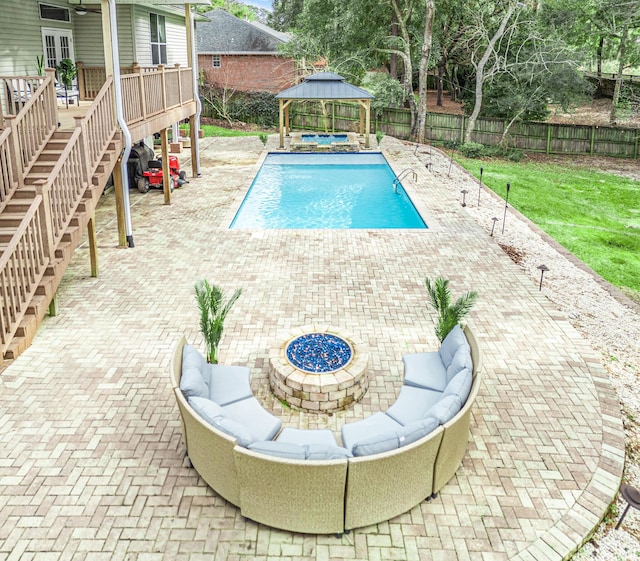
(303, 480)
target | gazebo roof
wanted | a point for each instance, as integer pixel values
(324, 85)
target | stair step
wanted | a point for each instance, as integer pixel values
(17, 206)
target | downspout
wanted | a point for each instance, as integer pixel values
(194, 73)
(117, 88)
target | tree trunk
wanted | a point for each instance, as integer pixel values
(618, 86)
(420, 123)
(599, 58)
(480, 67)
(393, 60)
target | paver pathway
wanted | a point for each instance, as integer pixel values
(91, 460)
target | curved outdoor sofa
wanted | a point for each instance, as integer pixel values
(302, 482)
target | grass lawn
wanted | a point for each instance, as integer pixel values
(594, 215)
(213, 130)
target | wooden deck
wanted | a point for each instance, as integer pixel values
(54, 164)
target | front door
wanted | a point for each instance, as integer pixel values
(57, 44)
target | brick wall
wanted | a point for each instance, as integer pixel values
(250, 72)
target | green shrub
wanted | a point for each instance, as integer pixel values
(451, 144)
(472, 150)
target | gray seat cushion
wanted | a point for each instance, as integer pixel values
(279, 449)
(194, 378)
(359, 430)
(326, 452)
(460, 385)
(304, 437)
(412, 404)
(229, 383)
(452, 342)
(261, 424)
(425, 370)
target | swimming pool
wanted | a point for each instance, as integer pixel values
(324, 138)
(326, 191)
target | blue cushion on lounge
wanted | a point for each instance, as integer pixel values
(234, 429)
(358, 430)
(460, 361)
(460, 385)
(452, 342)
(279, 449)
(445, 409)
(206, 408)
(194, 378)
(229, 383)
(412, 404)
(326, 452)
(261, 424)
(425, 370)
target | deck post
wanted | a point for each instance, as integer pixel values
(166, 175)
(118, 186)
(193, 135)
(93, 246)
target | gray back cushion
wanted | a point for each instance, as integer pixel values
(207, 409)
(194, 380)
(460, 361)
(390, 440)
(459, 385)
(445, 409)
(279, 449)
(452, 342)
(236, 430)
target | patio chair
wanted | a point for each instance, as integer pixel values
(66, 94)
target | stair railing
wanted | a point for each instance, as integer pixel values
(404, 173)
(35, 123)
(22, 266)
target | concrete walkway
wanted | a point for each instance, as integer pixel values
(91, 460)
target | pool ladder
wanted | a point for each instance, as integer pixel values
(404, 173)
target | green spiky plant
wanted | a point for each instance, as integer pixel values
(449, 315)
(213, 311)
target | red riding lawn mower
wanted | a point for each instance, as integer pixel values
(145, 170)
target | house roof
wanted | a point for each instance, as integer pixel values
(227, 34)
(324, 85)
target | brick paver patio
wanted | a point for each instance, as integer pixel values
(92, 465)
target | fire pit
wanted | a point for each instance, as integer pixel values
(318, 369)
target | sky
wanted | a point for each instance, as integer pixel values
(260, 3)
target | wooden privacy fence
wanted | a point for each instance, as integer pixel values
(534, 137)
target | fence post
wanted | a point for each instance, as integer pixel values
(81, 86)
(593, 134)
(548, 150)
(14, 150)
(462, 129)
(46, 220)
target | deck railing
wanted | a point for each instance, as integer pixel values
(15, 91)
(34, 124)
(22, 266)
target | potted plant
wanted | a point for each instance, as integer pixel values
(213, 311)
(67, 71)
(449, 315)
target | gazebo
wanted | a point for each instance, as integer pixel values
(324, 86)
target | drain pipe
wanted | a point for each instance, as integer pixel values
(194, 73)
(117, 87)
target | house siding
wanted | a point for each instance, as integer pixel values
(21, 35)
(250, 72)
(90, 51)
(176, 37)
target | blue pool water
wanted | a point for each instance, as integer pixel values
(325, 138)
(326, 191)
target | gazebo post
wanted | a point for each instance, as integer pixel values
(286, 119)
(368, 123)
(361, 116)
(281, 123)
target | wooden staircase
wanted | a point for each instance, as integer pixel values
(50, 184)
(21, 202)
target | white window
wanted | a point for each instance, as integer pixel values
(158, 39)
(215, 61)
